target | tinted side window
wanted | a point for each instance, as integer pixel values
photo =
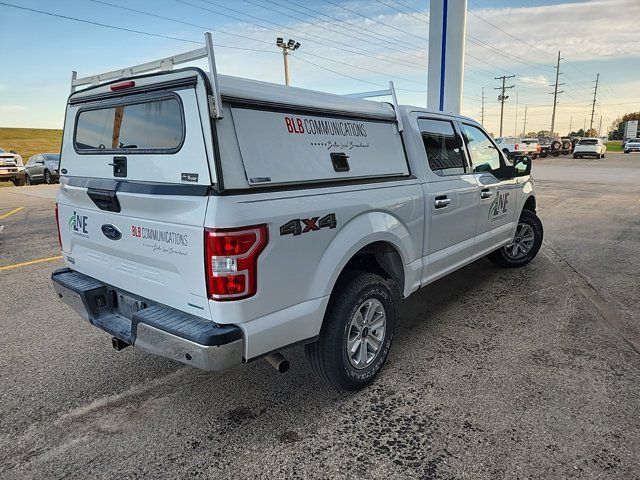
(152, 125)
(443, 147)
(484, 155)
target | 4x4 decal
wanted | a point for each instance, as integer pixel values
(298, 226)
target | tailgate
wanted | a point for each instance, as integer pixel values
(135, 185)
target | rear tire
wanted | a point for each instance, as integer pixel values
(575, 156)
(626, 151)
(526, 244)
(356, 334)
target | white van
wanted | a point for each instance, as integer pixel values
(217, 220)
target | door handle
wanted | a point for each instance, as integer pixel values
(441, 202)
(485, 193)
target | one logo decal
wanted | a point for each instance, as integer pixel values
(111, 231)
(498, 208)
(78, 225)
(298, 226)
(161, 241)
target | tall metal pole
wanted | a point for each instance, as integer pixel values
(600, 127)
(447, 35)
(524, 128)
(285, 55)
(570, 124)
(287, 47)
(593, 107)
(515, 127)
(555, 95)
(502, 97)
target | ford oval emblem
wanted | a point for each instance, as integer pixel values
(111, 231)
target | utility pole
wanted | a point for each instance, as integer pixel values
(524, 127)
(570, 124)
(482, 111)
(502, 97)
(515, 128)
(593, 107)
(600, 127)
(290, 46)
(555, 94)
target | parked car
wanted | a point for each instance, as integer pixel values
(516, 147)
(43, 168)
(262, 216)
(589, 147)
(11, 168)
(632, 145)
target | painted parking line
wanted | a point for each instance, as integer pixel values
(11, 212)
(30, 262)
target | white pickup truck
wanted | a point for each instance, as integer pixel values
(514, 147)
(217, 220)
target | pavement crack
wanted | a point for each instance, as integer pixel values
(610, 315)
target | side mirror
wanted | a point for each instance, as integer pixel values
(522, 166)
(13, 151)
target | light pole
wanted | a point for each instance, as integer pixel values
(290, 46)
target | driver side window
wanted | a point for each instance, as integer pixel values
(484, 155)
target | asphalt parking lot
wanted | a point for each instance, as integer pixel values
(530, 373)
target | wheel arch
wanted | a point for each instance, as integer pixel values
(376, 242)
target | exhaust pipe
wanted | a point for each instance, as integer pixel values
(278, 362)
(118, 344)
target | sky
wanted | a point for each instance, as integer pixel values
(347, 46)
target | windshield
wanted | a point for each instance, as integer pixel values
(2, 151)
(51, 157)
(588, 142)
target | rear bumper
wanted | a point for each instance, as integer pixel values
(155, 328)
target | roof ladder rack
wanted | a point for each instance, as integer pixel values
(381, 93)
(164, 65)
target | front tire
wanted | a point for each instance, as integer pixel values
(525, 245)
(19, 182)
(357, 333)
(47, 177)
(27, 180)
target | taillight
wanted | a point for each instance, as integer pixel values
(122, 85)
(517, 146)
(58, 226)
(231, 257)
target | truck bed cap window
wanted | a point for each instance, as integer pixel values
(155, 125)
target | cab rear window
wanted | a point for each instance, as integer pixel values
(143, 127)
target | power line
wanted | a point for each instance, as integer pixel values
(253, 39)
(91, 22)
(349, 35)
(349, 26)
(302, 37)
(355, 78)
(403, 12)
(378, 35)
(374, 20)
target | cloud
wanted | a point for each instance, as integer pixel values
(12, 108)
(535, 80)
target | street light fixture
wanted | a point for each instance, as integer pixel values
(290, 46)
